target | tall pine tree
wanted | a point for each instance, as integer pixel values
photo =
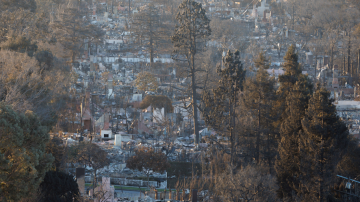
(189, 38)
(292, 74)
(325, 141)
(220, 105)
(288, 164)
(148, 30)
(259, 97)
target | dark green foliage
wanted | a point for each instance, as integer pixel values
(293, 98)
(183, 169)
(45, 59)
(324, 143)
(23, 162)
(288, 164)
(59, 187)
(146, 159)
(292, 74)
(232, 74)
(89, 154)
(313, 141)
(217, 103)
(260, 95)
(50, 117)
(220, 105)
(157, 101)
(291, 64)
(55, 147)
(350, 163)
(259, 99)
(20, 44)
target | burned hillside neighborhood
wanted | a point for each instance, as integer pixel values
(180, 100)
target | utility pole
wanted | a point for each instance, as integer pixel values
(129, 10)
(321, 195)
(332, 57)
(349, 47)
(258, 132)
(293, 18)
(358, 64)
(315, 66)
(112, 6)
(344, 72)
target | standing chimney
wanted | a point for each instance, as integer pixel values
(358, 64)
(194, 195)
(326, 60)
(344, 72)
(80, 179)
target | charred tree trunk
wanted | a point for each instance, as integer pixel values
(349, 52)
(151, 45)
(258, 133)
(194, 104)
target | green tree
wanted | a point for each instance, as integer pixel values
(189, 38)
(292, 74)
(350, 164)
(147, 159)
(91, 155)
(323, 144)
(55, 147)
(288, 164)
(183, 169)
(59, 187)
(23, 160)
(259, 98)
(220, 105)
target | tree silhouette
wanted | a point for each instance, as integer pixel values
(219, 105)
(59, 187)
(157, 101)
(189, 38)
(147, 159)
